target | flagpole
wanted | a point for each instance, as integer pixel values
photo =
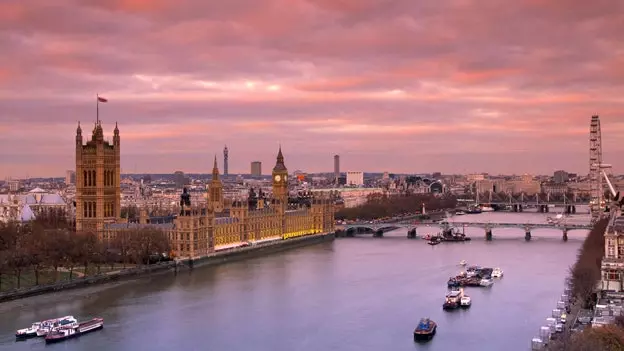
(97, 109)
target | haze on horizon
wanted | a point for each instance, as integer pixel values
(455, 86)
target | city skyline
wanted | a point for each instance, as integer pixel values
(398, 87)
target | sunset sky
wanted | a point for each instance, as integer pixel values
(455, 86)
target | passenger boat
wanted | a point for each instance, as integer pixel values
(51, 324)
(465, 301)
(497, 273)
(452, 300)
(462, 262)
(425, 330)
(485, 282)
(64, 333)
(28, 332)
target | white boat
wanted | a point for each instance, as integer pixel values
(486, 282)
(28, 332)
(53, 324)
(462, 263)
(497, 273)
(487, 209)
(465, 301)
(459, 213)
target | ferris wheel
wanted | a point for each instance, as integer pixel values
(596, 188)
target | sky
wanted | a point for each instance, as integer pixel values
(452, 86)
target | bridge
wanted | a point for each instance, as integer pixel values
(379, 228)
(520, 201)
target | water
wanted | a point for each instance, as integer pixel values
(353, 294)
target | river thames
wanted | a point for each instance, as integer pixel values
(358, 293)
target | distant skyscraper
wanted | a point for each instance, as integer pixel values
(256, 169)
(225, 161)
(561, 176)
(70, 177)
(179, 179)
(336, 167)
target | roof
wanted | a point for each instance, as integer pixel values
(35, 198)
(27, 214)
(37, 190)
(161, 226)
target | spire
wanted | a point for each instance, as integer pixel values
(279, 165)
(116, 128)
(215, 170)
(79, 130)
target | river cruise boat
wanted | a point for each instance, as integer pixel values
(52, 324)
(425, 330)
(497, 273)
(68, 332)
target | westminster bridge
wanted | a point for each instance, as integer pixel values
(379, 229)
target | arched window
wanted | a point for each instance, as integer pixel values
(84, 178)
(94, 179)
(85, 210)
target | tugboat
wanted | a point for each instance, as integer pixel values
(64, 333)
(425, 330)
(452, 300)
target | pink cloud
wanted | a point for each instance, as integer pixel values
(436, 84)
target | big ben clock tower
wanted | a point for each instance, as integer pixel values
(280, 179)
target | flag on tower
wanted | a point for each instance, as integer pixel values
(101, 99)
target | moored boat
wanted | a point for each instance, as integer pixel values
(425, 330)
(452, 300)
(497, 273)
(64, 333)
(462, 262)
(52, 324)
(28, 332)
(465, 301)
(485, 282)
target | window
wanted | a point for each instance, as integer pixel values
(84, 178)
(613, 274)
(85, 209)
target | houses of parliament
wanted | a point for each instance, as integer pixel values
(197, 229)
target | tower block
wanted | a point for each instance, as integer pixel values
(98, 180)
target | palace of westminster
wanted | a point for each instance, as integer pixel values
(198, 229)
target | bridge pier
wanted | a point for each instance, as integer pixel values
(411, 234)
(527, 235)
(520, 209)
(378, 233)
(565, 234)
(488, 234)
(350, 233)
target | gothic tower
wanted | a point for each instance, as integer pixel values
(98, 179)
(215, 190)
(280, 179)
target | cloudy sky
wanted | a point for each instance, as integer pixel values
(396, 85)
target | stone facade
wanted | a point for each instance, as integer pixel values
(98, 177)
(201, 229)
(613, 261)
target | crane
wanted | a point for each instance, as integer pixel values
(616, 194)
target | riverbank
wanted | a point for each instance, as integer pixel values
(220, 257)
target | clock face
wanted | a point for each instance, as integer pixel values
(278, 178)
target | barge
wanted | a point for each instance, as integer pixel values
(425, 330)
(452, 300)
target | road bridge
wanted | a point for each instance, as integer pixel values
(379, 229)
(519, 202)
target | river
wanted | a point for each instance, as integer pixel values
(358, 293)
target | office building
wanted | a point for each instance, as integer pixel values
(256, 169)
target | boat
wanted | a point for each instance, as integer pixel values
(425, 330)
(465, 301)
(460, 213)
(434, 240)
(474, 210)
(52, 324)
(64, 333)
(497, 273)
(453, 234)
(462, 262)
(28, 332)
(487, 209)
(486, 282)
(452, 300)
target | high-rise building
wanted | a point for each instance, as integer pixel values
(336, 167)
(179, 179)
(98, 179)
(70, 177)
(225, 161)
(561, 177)
(256, 169)
(355, 178)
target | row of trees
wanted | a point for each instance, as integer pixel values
(584, 276)
(383, 205)
(40, 251)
